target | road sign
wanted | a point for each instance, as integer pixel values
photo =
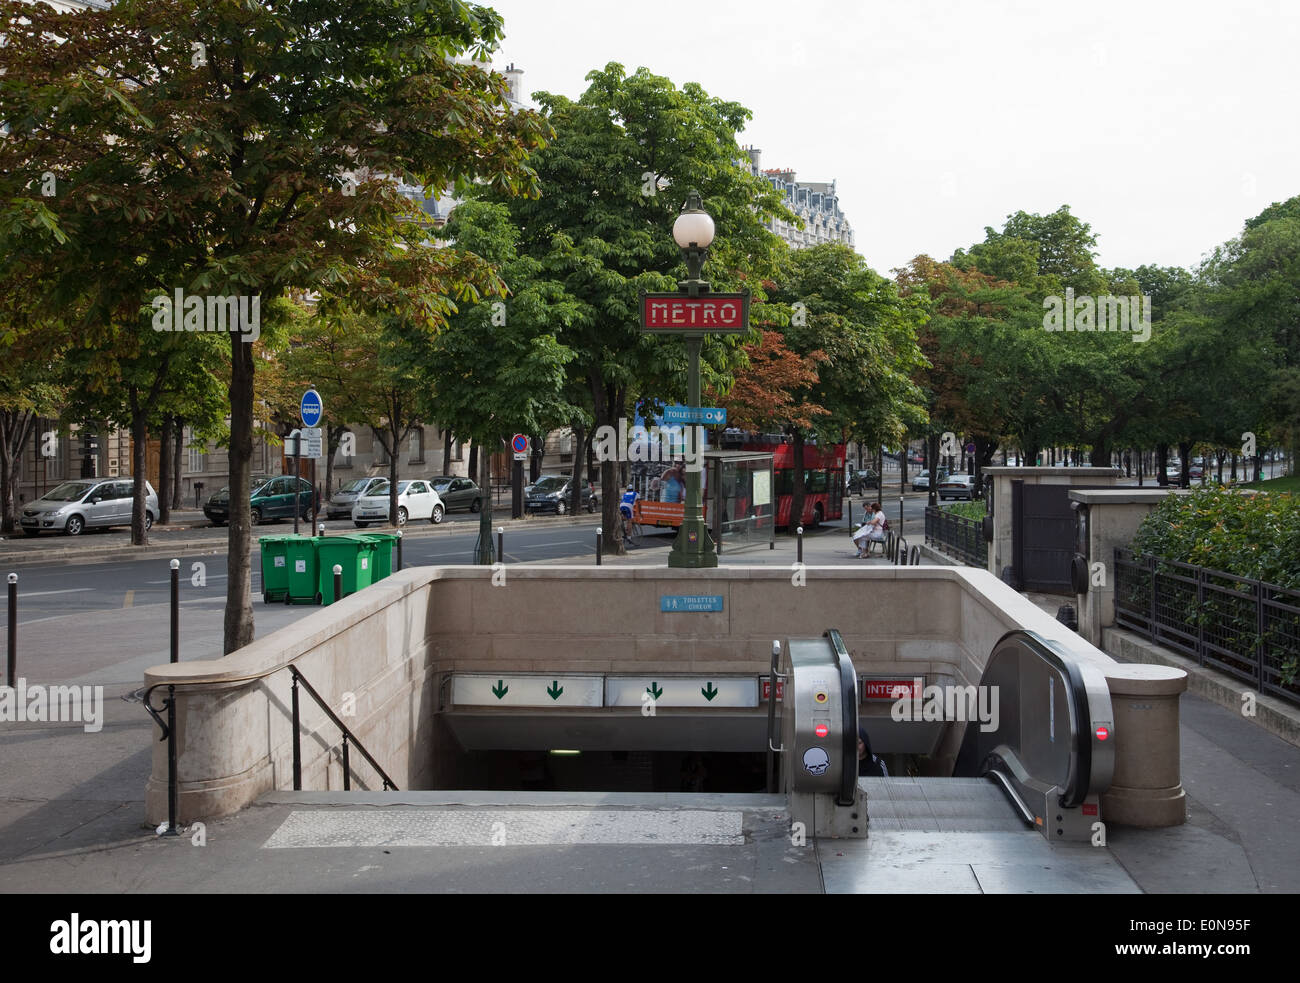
(519, 443)
(303, 444)
(311, 433)
(970, 448)
(526, 690)
(713, 416)
(727, 692)
(677, 313)
(311, 407)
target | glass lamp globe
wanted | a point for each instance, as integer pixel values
(693, 228)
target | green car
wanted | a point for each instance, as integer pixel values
(270, 498)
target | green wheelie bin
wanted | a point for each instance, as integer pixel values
(354, 554)
(275, 567)
(303, 570)
(385, 543)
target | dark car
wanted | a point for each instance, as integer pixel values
(860, 481)
(552, 493)
(270, 498)
(458, 493)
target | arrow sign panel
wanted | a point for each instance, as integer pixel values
(525, 690)
(726, 692)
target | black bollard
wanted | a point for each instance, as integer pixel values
(338, 582)
(799, 533)
(599, 533)
(176, 610)
(13, 630)
(399, 551)
(900, 515)
(501, 544)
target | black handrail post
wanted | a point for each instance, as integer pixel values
(13, 630)
(297, 742)
(173, 789)
(347, 768)
(338, 582)
(176, 610)
(799, 533)
(772, 683)
(599, 533)
(399, 551)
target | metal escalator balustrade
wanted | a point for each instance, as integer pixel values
(1052, 749)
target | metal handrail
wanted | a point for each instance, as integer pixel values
(848, 719)
(168, 728)
(772, 749)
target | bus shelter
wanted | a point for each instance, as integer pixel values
(740, 499)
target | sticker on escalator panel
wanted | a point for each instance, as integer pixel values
(816, 761)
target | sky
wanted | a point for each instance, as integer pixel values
(1163, 125)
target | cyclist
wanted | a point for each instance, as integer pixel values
(625, 508)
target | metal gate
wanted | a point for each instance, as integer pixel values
(1042, 536)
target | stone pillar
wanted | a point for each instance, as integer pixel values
(1146, 789)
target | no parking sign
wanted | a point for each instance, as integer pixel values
(519, 444)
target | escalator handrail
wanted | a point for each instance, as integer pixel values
(1077, 785)
(848, 719)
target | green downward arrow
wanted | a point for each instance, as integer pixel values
(709, 692)
(554, 690)
(500, 689)
(654, 690)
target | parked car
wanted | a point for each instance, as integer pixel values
(957, 486)
(1196, 471)
(84, 504)
(922, 481)
(552, 493)
(860, 481)
(269, 498)
(458, 493)
(340, 504)
(415, 500)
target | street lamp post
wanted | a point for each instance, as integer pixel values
(693, 233)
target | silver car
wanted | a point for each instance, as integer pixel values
(86, 503)
(340, 504)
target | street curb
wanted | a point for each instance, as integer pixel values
(208, 547)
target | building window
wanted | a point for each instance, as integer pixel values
(415, 448)
(457, 452)
(198, 458)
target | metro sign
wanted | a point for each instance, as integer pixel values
(889, 689)
(679, 313)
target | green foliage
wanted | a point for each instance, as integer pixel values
(967, 510)
(1255, 536)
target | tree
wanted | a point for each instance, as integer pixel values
(238, 149)
(613, 180)
(30, 387)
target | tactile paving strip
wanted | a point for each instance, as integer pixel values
(514, 827)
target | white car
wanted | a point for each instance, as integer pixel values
(957, 486)
(415, 500)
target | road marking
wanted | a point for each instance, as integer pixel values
(129, 599)
(43, 593)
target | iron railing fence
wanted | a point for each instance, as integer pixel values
(959, 537)
(1246, 628)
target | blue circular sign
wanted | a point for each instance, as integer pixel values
(519, 443)
(311, 408)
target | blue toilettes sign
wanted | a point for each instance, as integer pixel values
(690, 603)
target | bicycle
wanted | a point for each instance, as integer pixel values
(632, 533)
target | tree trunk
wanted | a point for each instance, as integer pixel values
(487, 545)
(536, 454)
(177, 485)
(1162, 465)
(473, 458)
(932, 459)
(392, 478)
(165, 470)
(1185, 463)
(579, 455)
(447, 437)
(239, 544)
(1233, 476)
(15, 428)
(332, 436)
(1219, 456)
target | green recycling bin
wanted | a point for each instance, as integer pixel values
(355, 554)
(275, 566)
(385, 543)
(302, 570)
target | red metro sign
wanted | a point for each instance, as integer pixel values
(680, 313)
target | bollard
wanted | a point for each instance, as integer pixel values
(13, 629)
(399, 551)
(771, 543)
(599, 533)
(900, 515)
(320, 529)
(850, 514)
(800, 544)
(338, 581)
(501, 544)
(176, 610)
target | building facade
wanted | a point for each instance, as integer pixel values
(817, 204)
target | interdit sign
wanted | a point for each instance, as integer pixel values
(727, 313)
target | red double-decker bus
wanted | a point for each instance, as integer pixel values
(823, 484)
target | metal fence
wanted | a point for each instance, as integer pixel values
(959, 537)
(1246, 628)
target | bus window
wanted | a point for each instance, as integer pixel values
(814, 481)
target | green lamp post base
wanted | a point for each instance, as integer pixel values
(693, 548)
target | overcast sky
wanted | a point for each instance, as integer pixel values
(1164, 125)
